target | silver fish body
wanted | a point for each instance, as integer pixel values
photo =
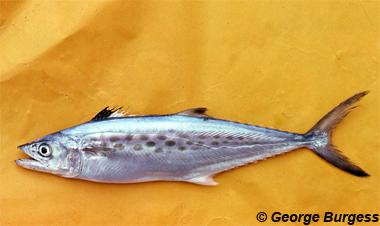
(188, 146)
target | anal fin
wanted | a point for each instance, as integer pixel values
(203, 180)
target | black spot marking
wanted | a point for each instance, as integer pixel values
(138, 147)
(182, 148)
(103, 144)
(215, 143)
(119, 147)
(225, 142)
(183, 135)
(230, 137)
(114, 139)
(189, 143)
(129, 137)
(158, 150)
(144, 137)
(240, 138)
(200, 143)
(150, 143)
(169, 143)
(216, 136)
(161, 137)
(202, 137)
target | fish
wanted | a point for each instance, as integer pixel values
(188, 146)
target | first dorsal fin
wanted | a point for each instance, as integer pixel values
(108, 113)
(194, 112)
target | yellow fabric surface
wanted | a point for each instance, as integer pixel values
(277, 63)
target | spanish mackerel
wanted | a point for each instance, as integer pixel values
(187, 146)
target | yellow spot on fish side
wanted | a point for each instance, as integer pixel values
(158, 150)
(150, 143)
(114, 139)
(161, 137)
(169, 143)
(138, 147)
(119, 147)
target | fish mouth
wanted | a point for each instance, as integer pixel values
(30, 163)
(21, 161)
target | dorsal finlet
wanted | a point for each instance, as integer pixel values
(194, 112)
(109, 113)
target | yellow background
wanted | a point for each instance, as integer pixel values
(276, 63)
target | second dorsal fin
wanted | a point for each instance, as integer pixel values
(194, 112)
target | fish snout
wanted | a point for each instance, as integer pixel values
(23, 147)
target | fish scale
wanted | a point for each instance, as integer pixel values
(187, 146)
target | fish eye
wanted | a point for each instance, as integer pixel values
(44, 150)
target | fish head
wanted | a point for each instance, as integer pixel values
(55, 153)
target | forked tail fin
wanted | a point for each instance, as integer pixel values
(320, 135)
